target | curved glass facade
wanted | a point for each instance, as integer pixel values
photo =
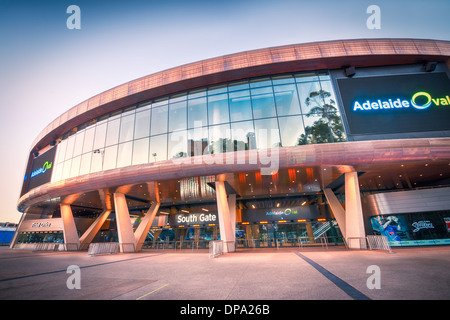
(284, 110)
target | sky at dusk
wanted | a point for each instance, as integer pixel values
(46, 68)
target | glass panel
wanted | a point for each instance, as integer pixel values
(62, 146)
(306, 77)
(220, 139)
(311, 100)
(100, 136)
(267, 134)
(286, 99)
(263, 103)
(218, 109)
(75, 166)
(112, 134)
(109, 161)
(197, 113)
(329, 97)
(291, 131)
(217, 89)
(124, 154)
(85, 165)
(238, 86)
(243, 135)
(66, 169)
(57, 172)
(158, 148)
(177, 116)
(78, 143)
(197, 93)
(262, 82)
(142, 125)
(177, 145)
(159, 120)
(97, 160)
(140, 151)
(126, 128)
(197, 141)
(283, 79)
(240, 105)
(69, 149)
(88, 139)
(316, 129)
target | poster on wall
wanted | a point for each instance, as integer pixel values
(413, 229)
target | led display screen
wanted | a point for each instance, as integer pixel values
(41, 170)
(396, 104)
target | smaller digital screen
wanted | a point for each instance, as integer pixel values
(41, 170)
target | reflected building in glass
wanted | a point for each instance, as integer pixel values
(257, 149)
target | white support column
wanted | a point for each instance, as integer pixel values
(354, 221)
(127, 241)
(226, 231)
(69, 228)
(232, 209)
(142, 230)
(90, 233)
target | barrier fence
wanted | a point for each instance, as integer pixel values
(49, 246)
(379, 242)
(103, 247)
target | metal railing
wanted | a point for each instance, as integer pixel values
(379, 242)
(49, 246)
(302, 241)
(103, 247)
(215, 248)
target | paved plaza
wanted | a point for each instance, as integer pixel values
(264, 274)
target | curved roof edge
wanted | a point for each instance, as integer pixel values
(333, 54)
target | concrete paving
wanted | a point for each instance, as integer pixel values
(264, 274)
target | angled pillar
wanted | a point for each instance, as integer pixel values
(226, 230)
(142, 230)
(350, 219)
(69, 228)
(127, 241)
(337, 209)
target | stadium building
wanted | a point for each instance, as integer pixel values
(303, 144)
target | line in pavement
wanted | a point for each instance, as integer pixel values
(84, 267)
(341, 284)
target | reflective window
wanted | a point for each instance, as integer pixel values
(267, 133)
(281, 110)
(286, 100)
(220, 139)
(197, 113)
(112, 132)
(142, 125)
(218, 109)
(126, 128)
(140, 151)
(75, 168)
(177, 145)
(291, 131)
(240, 105)
(311, 97)
(88, 139)
(158, 148)
(197, 141)
(85, 164)
(159, 120)
(69, 148)
(110, 157)
(243, 135)
(100, 136)
(79, 139)
(263, 103)
(97, 160)
(177, 116)
(124, 154)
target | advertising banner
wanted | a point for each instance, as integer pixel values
(396, 104)
(41, 170)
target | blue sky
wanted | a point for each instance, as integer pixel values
(45, 68)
